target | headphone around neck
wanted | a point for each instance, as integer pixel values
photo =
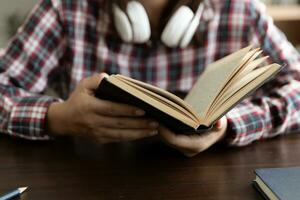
(134, 25)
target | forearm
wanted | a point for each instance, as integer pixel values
(56, 123)
(23, 114)
(274, 109)
(265, 116)
(26, 69)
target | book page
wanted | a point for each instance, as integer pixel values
(164, 100)
(250, 67)
(162, 93)
(249, 57)
(255, 80)
(245, 67)
(238, 85)
(236, 79)
(212, 81)
(153, 101)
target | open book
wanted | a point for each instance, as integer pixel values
(222, 85)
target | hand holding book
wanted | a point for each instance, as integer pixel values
(100, 120)
(223, 84)
(112, 118)
(191, 145)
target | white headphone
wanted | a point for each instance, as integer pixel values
(134, 26)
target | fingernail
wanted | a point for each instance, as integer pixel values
(218, 125)
(154, 124)
(154, 132)
(139, 112)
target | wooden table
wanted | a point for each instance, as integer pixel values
(76, 169)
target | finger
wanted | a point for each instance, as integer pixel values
(207, 139)
(127, 134)
(187, 142)
(92, 83)
(175, 140)
(126, 123)
(220, 123)
(113, 109)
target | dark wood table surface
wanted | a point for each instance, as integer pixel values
(77, 169)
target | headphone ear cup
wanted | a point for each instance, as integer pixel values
(139, 21)
(122, 24)
(188, 36)
(177, 26)
(191, 30)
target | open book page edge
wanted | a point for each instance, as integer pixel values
(240, 85)
(162, 99)
(213, 79)
(248, 58)
(159, 105)
(251, 66)
(247, 69)
(161, 92)
(251, 55)
(243, 93)
(239, 53)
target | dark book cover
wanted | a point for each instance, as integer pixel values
(283, 182)
(108, 91)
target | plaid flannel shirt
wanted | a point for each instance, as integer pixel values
(64, 41)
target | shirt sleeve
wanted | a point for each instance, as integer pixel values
(26, 66)
(275, 108)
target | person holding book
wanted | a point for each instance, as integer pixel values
(65, 44)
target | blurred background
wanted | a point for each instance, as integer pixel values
(286, 14)
(12, 14)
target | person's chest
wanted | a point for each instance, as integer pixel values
(93, 46)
